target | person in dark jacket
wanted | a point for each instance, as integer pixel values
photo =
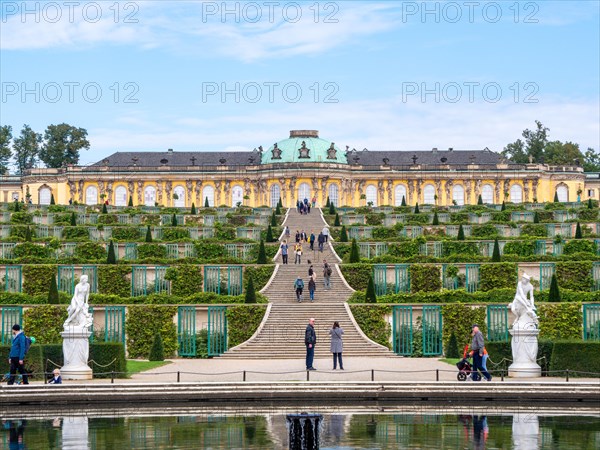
(310, 340)
(477, 349)
(16, 357)
(321, 241)
(312, 286)
(337, 345)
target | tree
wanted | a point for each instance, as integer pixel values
(111, 258)
(269, 237)
(62, 143)
(503, 208)
(148, 234)
(515, 151)
(534, 146)
(28, 234)
(17, 206)
(556, 197)
(250, 292)
(452, 347)
(331, 208)
(590, 205)
(554, 294)
(73, 220)
(280, 203)
(26, 148)
(479, 200)
(174, 220)
(403, 201)
(130, 203)
(591, 161)
(327, 203)
(436, 219)
(417, 208)
(157, 351)
(370, 296)
(336, 222)
(104, 209)
(52, 201)
(461, 233)
(343, 234)
(193, 212)
(354, 252)
(273, 219)
(262, 254)
(578, 234)
(206, 204)
(536, 217)
(556, 153)
(53, 292)
(496, 252)
(278, 209)
(5, 151)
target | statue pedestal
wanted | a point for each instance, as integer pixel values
(524, 345)
(525, 431)
(76, 351)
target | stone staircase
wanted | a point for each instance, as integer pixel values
(282, 335)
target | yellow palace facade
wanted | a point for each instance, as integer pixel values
(302, 166)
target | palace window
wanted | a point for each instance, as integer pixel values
(275, 195)
(563, 193)
(399, 193)
(304, 192)
(458, 194)
(429, 195)
(487, 193)
(371, 195)
(516, 194)
(91, 195)
(149, 196)
(179, 202)
(208, 193)
(237, 196)
(120, 196)
(333, 194)
(45, 196)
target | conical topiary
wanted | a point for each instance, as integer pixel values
(436, 219)
(104, 209)
(130, 203)
(53, 292)
(273, 219)
(157, 351)
(370, 296)
(278, 210)
(193, 212)
(578, 234)
(536, 217)
(461, 233)
(111, 258)
(554, 294)
(262, 254)
(73, 219)
(174, 220)
(343, 234)
(403, 201)
(590, 205)
(417, 208)
(17, 206)
(250, 292)
(452, 347)
(556, 197)
(354, 252)
(331, 208)
(496, 252)
(52, 202)
(206, 204)
(336, 222)
(269, 237)
(280, 203)
(480, 200)
(327, 203)
(503, 208)
(28, 234)
(148, 234)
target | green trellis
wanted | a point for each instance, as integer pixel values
(431, 323)
(114, 324)
(161, 286)
(186, 330)
(66, 279)
(402, 331)
(546, 272)
(139, 281)
(472, 277)
(11, 315)
(497, 323)
(380, 279)
(217, 330)
(591, 322)
(402, 277)
(223, 280)
(13, 279)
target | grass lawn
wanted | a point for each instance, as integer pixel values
(451, 361)
(137, 366)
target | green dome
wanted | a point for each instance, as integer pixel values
(303, 146)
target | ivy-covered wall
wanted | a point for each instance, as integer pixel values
(371, 320)
(143, 321)
(425, 278)
(242, 322)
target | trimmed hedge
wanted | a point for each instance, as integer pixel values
(143, 321)
(574, 275)
(106, 357)
(425, 278)
(185, 279)
(242, 322)
(497, 276)
(458, 319)
(357, 275)
(36, 279)
(560, 320)
(112, 280)
(577, 356)
(45, 323)
(371, 320)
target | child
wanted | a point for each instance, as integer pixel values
(56, 379)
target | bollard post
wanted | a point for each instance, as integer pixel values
(307, 375)
(112, 377)
(372, 374)
(178, 376)
(244, 376)
(45, 377)
(437, 374)
(502, 375)
(567, 375)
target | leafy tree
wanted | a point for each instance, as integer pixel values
(452, 347)
(26, 148)
(534, 145)
(557, 153)
(554, 294)
(148, 234)
(262, 254)
(157, 351)
(417, 208)
(73, 222)
(5, 151)
(193, 211)
(111, 258)
(578, 234)
(250, 292)
(17, 206)
(53, 292)
(370, 296)
(336, 222)
(591, 160)
(403, 201)
(206, 204)
(343, 234)
(62, 144)
(354, 252)
(130, 203)
(461, 233)
(496, 252)
(479, 200)
(436, 219)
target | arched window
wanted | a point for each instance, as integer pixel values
(516, 193)
(91, 195)
(429, 194)
(275, 195)
(237, 196)
(121, 196)
(487, 194)
(371, 195)
(149, 196)
(563, 193)
(179, 192)
(304, 192)
(399, 194)
(458, 194)
(334, 194)
(45, 196)
(208, 193)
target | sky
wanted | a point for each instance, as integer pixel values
(216, 76)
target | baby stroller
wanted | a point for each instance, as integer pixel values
(464, 366)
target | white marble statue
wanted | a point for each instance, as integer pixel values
(523, 307)
(78, 310)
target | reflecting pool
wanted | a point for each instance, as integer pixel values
(339, 430)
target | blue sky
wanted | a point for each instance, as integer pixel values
(370, 64)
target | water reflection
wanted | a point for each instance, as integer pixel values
(351, 430)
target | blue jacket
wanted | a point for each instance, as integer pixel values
(17, 350)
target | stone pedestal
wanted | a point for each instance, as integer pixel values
(524, 345)
(76, 351)
(75, 431)
(525, 431)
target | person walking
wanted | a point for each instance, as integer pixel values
(477, 347)
(297, 236)
(299, 286)
(326, 233)
(314, 201)
(308, 208)
(284, 252)
(310, 340)
(321, 240)
(311, 271)
(303, 237)
(312, 240)
(16, 357)
(326, 274)
(337, 345)
(312, 286)
(298, 253)
(287, 232)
